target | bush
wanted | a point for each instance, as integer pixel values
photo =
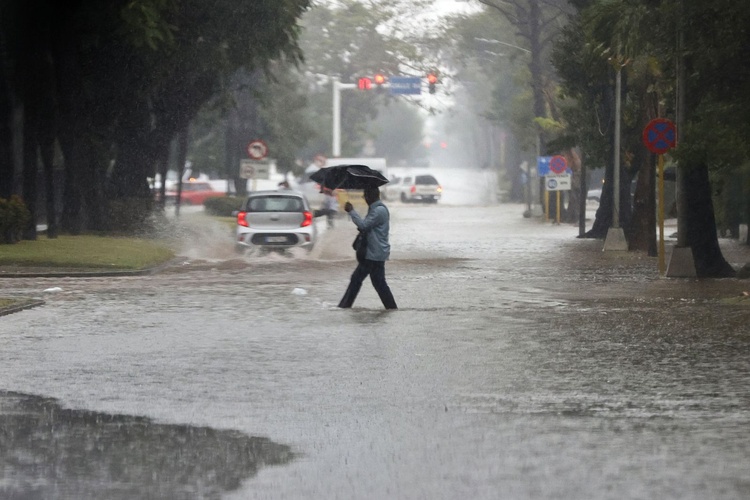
(129, 215)
(14, 217)
(223, 206)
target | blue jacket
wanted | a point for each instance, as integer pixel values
(377, 225)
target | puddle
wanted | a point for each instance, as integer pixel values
(47, 451)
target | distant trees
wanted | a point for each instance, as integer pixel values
(104, 87)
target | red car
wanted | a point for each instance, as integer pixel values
(193, 193)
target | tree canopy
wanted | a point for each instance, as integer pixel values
(112, 83)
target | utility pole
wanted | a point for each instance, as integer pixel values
(681, 263)
(337, 88)
(615, 235)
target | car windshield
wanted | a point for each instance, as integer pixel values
(275, 204)
(425, 179)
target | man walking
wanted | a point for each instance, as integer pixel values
(376, 226)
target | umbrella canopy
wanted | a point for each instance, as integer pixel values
(348, 177)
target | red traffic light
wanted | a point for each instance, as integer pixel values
(379, 79)
(364, 83)
(432, 80)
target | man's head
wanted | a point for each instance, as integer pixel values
(372, 194)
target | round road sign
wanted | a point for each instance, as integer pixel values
(660, 135)
(257, 149)
(558, 164)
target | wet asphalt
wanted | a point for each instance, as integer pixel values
(523, 363)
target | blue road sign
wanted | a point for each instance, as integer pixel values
(405, 85)
(542, 165)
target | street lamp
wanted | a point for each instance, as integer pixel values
(615, 235)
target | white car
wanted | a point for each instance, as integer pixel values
(275, 220)
(420, 188)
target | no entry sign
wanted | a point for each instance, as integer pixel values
(660, 135)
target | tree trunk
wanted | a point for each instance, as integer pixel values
(47, 150)
(85, 155)
(182, 147)
(641, 231)
(701, 229)
(30, 164)
(232, 156)
(135, 161)
(7, 165)
(573, 211)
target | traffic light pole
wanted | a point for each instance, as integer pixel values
(337, 88)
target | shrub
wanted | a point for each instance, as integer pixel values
(14, 217)
(223, 206)
(129, 215)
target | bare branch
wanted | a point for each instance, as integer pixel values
(506, 10)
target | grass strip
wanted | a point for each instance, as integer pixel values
(86, 251)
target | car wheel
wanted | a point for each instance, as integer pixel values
(403, 198)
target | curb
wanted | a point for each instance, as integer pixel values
(21, 307)
(91, 273)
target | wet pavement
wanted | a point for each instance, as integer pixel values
(523, 363)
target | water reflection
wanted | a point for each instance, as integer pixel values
(50, 452)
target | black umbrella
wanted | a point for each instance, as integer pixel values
(348, 177)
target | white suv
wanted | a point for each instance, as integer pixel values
(420, 188)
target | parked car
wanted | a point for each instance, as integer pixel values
(275, 220)
(193, 193)
(420, 188)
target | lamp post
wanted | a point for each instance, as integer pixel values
(615, 240)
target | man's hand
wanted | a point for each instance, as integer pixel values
(348, 207)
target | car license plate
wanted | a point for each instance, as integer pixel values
(275, 239)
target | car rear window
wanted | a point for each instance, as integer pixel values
(275, 204)
(425, 179)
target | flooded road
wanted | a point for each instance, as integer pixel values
(522, 364)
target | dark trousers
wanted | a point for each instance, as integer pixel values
(376, 270)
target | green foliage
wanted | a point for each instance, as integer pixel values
(14, 217)
(129, 215)
(223, 206)
(128, 76)
(144, 23)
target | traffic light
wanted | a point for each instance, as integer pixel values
(364, 83)
(432, 81)
(379, 79)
